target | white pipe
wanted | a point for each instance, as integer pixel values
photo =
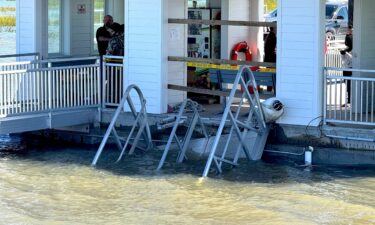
(308, 156)
(351, 138)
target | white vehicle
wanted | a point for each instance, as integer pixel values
(271, 17)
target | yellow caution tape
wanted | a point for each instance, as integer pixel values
(271, 70)
(226, 67)
(213, 66)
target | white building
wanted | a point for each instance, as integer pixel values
(150, 39)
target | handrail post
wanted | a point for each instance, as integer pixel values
(325, 95)
(49, 87)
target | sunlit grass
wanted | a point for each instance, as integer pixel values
(7, 21)
(7, 9)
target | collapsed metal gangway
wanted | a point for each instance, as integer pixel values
(248, 129)
(180, 120)
(140, 126)
(242, 127)
(244, 131)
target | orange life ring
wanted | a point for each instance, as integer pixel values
(244, 48)
(241, 47)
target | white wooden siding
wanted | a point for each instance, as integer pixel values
(146, 50)
(81, 32)
(177, 39)
(363, 34)
(300, 60)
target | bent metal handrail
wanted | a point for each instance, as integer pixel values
(141, 121)
(245, 78)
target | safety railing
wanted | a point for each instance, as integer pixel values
(113, 80)
(349, 99)
(333, 59)
(56, 87)
(20, 57)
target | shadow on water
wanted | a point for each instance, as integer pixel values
(144, 164)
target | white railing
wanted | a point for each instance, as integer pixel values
(51, 88)
(24, 65)
(332, 54)
(349, 99)
(20, 57)
(333, 59)
(337, 40)
(113, 80)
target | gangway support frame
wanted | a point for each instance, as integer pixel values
(255, 122)
(183, 145)
(140, 121)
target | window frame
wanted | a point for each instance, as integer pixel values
(93, 30)
(61, 32)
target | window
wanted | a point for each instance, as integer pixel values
(330, 10)
(54, 27)
(197, 3)
(344, 13)
(99, 7)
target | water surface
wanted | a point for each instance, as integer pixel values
(55, 185)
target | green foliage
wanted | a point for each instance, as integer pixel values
(7, 21)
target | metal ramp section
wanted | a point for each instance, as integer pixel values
(47, 120)
(241, 129)
(140, 126)
(175, 121)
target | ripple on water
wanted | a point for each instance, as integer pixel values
(55, 184)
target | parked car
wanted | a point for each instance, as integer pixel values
(337, 19)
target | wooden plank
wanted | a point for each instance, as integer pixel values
(202, 91)
(223, 22)
(219, 61)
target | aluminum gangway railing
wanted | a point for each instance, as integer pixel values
(140, 126)
(248, 130)
(50, 96)
(192, 122)
(34, 56)
(242, 129)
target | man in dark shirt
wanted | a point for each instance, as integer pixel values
(349, 39)
(270, 47)
(103, 36)
(347, 63)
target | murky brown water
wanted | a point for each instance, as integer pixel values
(56, 185)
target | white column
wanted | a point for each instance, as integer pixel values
(300, 56)
(146, 48)
(363, 56)
(177, 46)
(256, 33)
(31, 26)
(230, 35)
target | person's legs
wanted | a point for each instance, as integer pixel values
(348, 87)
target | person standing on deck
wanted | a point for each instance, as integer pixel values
(270, 46)
(103, 36)
(346, 58)
(349, 39)
(116, 44)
